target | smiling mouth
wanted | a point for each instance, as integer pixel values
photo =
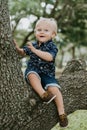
(41, 36)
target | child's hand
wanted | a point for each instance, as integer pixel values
(15, 43)
(30, 46)
(19, 50)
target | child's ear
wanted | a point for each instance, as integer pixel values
(53, 34)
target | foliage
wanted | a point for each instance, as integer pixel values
(71, 17)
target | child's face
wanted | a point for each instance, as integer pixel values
(44, 31)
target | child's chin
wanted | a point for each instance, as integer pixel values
(43, 41)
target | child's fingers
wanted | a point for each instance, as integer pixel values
(29, 44)
(14, 41)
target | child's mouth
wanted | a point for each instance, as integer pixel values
(41, 36)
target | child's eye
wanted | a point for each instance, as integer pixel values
(38, 30)
(46, 30)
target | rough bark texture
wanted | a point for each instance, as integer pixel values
(74, 82)
(20, 107)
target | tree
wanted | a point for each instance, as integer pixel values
(20, 107)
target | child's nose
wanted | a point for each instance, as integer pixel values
(42, 31)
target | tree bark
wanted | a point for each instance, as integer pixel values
(74, 82)
(20, 106)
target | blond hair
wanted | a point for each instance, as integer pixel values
(50, 21)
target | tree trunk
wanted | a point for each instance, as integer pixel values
(20, 107)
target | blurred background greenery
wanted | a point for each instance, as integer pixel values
(71, 17)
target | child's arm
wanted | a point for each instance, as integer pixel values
(42, 54)
(19, 50)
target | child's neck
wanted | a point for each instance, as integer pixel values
(39, 43)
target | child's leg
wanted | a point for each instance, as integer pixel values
(36, 84)
(63, 121)
(58, 99)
